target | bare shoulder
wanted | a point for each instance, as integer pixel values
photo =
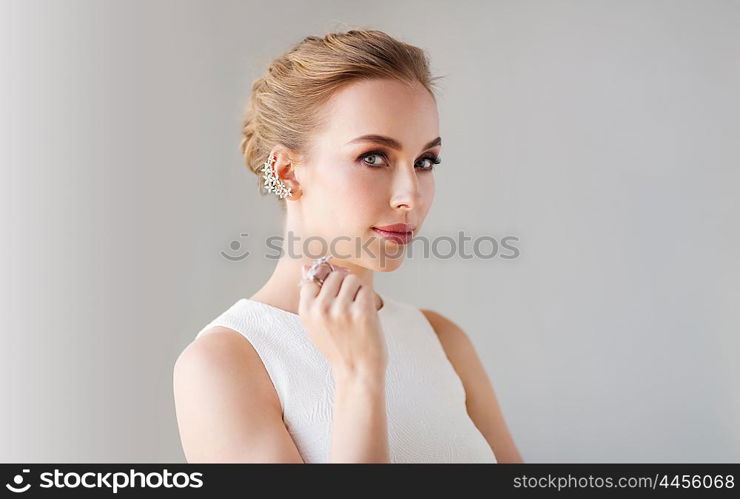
(226, 405)
(216, 344)
(480, 398)
(222, 354)
(455, 341)
(440, 323)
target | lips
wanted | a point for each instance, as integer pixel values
(397, 233)
(396, 228)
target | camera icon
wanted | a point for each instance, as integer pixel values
(235, 246)
(18, 480)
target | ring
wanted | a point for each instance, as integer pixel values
(313, 270)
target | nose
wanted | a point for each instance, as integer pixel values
(406, 191)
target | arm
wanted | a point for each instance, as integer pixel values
(227, 408)
(229, 412)
(342, 322)
(480, 398)
(360, 427)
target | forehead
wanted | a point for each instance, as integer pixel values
(383, 107)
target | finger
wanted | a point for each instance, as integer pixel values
(329, 289)
(348, 289)
(309, 289)
(322, 271)
(365, 298)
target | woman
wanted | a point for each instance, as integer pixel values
(344, 130)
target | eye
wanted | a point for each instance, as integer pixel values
(373, 164)
(432, 158)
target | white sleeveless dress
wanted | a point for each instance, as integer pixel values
(425, 399)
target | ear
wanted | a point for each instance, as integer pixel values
(285, 166)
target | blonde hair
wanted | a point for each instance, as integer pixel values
(284, 104)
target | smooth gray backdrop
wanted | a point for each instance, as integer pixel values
(605, 135)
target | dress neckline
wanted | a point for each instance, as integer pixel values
(381, 310)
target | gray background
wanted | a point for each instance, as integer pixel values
(604, 135)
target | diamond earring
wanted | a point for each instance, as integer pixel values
(272, 183)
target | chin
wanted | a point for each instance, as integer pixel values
(388, 256)
(386, 263)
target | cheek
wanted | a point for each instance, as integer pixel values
(427, 191)
(354, 187)
(349, 194)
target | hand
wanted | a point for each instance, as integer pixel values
(342, 321)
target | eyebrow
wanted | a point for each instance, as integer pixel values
(391, 142)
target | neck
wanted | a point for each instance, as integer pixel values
(281, 289)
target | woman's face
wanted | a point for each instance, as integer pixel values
(350, 184)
